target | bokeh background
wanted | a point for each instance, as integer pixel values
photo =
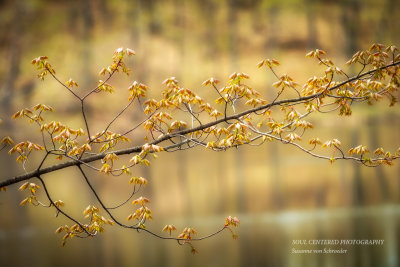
(279, 193)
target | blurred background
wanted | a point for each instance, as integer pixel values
(278, 193)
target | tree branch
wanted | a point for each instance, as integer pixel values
(165, 137)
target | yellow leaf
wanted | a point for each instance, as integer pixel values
(141, 201)
(7, 140)
(24, 186)
(130, 52)
(23, 202)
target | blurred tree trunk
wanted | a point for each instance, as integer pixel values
(311, 14)
(351, 22)
(209, 15)
(86, 56)
(358, 194)
(358, 223)
(232, 44)
(8, 165)
(210, 9)
(104, 10)
(138, 13)
(373, 126)
(273, 11)
(87, 18)
(149, 8)
(178, 69)
(238, 164)
(272, 14)
(232, 38)
(14, 58)
(135, 16)
(389, 23)
(8, 88)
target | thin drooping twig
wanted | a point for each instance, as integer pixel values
(126, 201)
(118, 115)
(58, 209)
(60, 82)
(104, 82)
(138, 228)
(85, 119)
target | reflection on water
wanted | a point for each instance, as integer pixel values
(265, 240)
